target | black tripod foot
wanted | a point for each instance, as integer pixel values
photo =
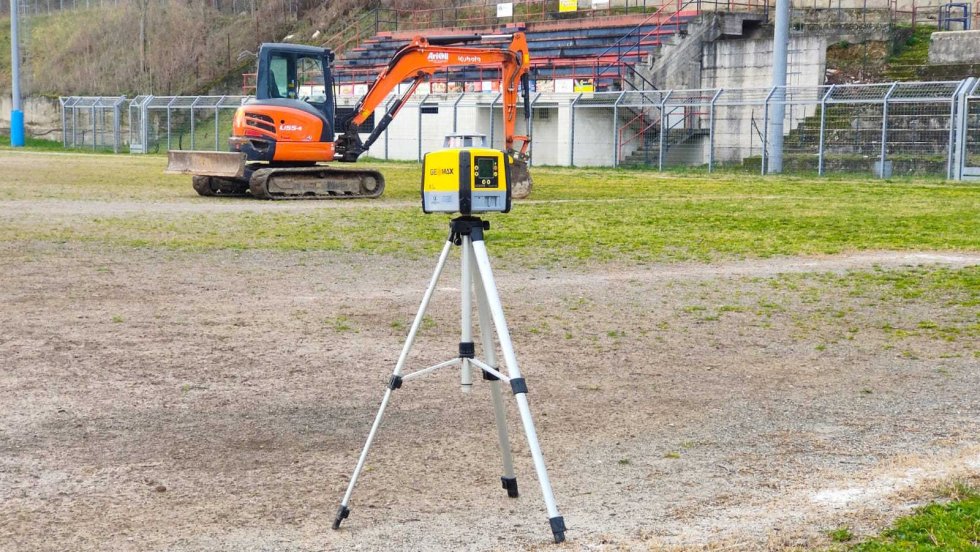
(558, 528)
(510, 483)
(342, 514)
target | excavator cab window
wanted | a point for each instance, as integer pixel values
(297, 73)
(278, 73)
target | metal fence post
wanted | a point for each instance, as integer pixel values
(953, 126)
(169, 104)
(132, 125)
(216, 117)
(419, 133)
(884, 130)
(455, 104)
(962, 126)
(491, 118)
(765, 130)
(530, 128)
(711, 131)
(116, 124)
(74, 124)
(615, 134)
(64, 122)
(823, 128)
(145, 121)
(95, 134)
(387, 105)
(664, 121)
(571, 132)
(194, 103)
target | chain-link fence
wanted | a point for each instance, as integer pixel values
(93, 122)
(182, 122)
(908, 128)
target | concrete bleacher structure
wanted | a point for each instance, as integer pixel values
(598, 51)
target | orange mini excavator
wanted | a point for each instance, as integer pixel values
(281, 138)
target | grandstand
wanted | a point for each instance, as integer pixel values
(600, 52)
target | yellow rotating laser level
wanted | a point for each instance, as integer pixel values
(466, 181)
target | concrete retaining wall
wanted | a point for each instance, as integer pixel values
(42, 116)
(955, 47)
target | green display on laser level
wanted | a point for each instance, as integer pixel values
(486, 172)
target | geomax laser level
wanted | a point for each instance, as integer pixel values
(470, 180)
(466, 181)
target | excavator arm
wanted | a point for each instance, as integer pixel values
(422, 57)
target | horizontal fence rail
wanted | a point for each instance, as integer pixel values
(882, 130)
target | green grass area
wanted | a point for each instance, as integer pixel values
(576, 215)
(910, 55)
(41, 145)
(950, 527)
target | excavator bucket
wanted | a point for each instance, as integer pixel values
(206, 163)
(520, 179)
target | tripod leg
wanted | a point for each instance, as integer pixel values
(509, 480)
(517, 383)
(393, 383)
(466, 316)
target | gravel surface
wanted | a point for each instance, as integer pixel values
(166, 400)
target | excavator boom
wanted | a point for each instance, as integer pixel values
(422, 57)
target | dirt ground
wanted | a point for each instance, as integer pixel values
(163, 400)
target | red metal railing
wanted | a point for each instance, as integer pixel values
(644, 127)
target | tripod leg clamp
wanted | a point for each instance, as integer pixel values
(394, 382)
(342, 514)
(518, 385)
(558, 528)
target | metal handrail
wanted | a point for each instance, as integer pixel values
(639, 39)
(637, 134)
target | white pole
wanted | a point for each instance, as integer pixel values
(780, 46)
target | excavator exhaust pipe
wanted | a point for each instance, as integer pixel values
(520, 176)
(206, 163)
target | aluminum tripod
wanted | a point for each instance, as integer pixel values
(467, 232)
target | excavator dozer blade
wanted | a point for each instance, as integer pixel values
(520, 185)
(206, 163)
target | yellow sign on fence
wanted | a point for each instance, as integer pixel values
(567, 5)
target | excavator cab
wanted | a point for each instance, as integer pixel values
(296, 73)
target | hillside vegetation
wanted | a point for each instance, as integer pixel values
(189, 46)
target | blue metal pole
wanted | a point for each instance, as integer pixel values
(16, 115)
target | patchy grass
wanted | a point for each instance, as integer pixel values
(576, 216)
(841, 534)
(950, 527)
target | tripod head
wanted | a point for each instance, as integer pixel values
(467, 225)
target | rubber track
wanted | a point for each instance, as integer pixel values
(258, 186)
